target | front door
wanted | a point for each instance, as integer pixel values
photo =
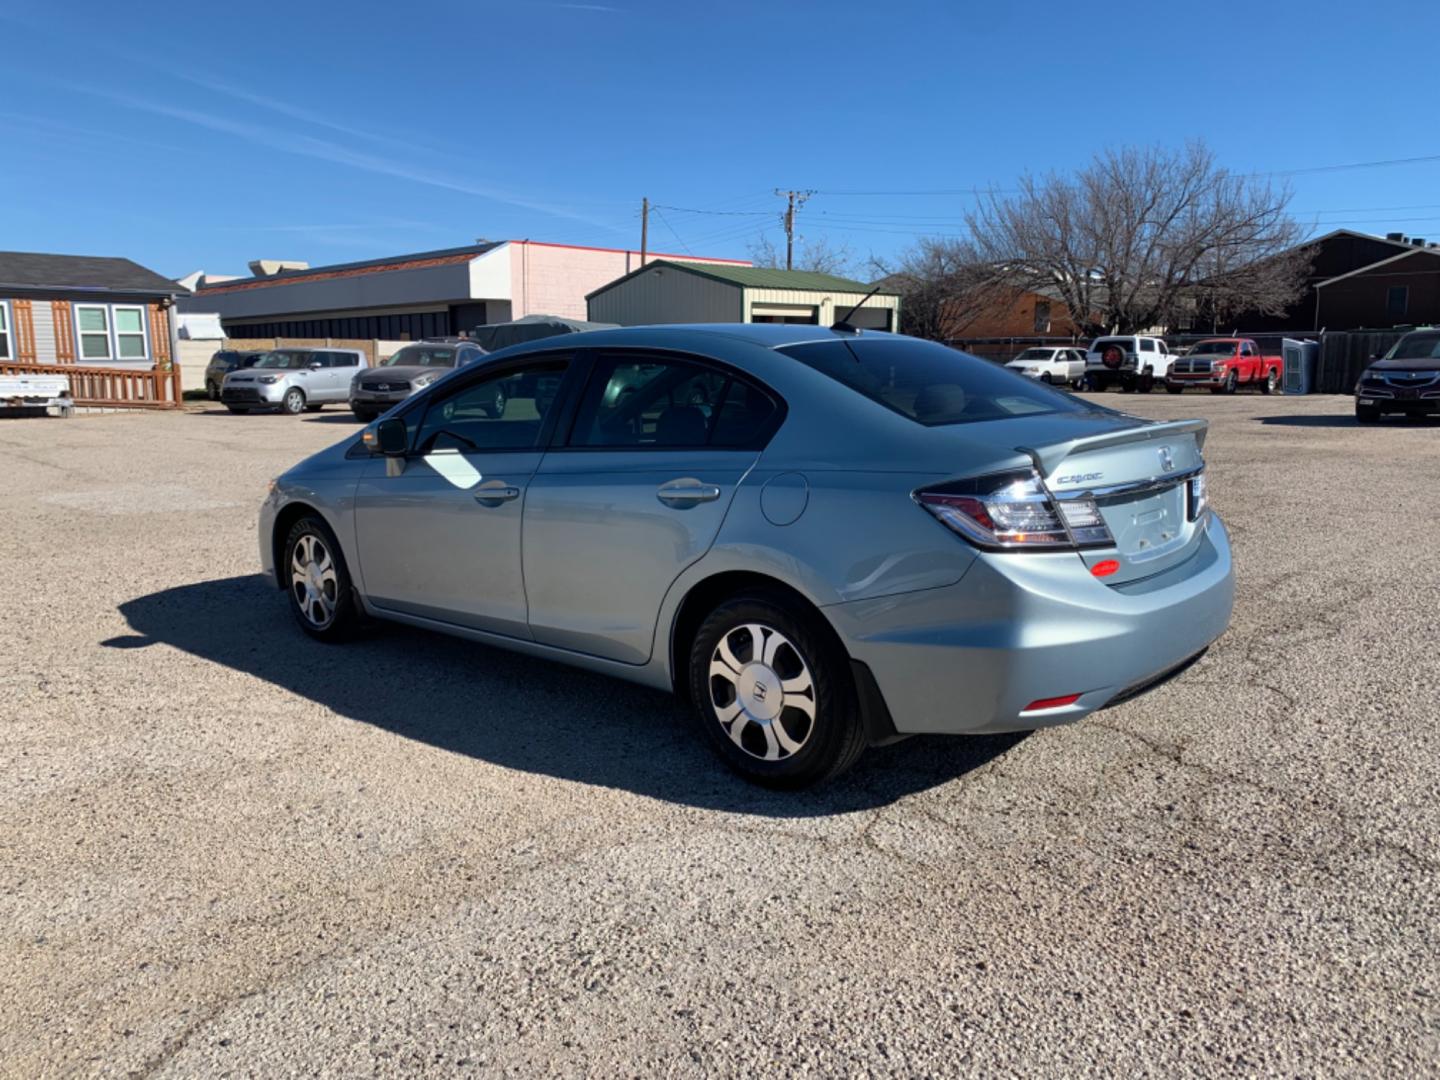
(637, 493)
(438, 531)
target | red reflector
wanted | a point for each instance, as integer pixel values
(1051, 703)
(1105, 568)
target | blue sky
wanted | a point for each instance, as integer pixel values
(205, 135)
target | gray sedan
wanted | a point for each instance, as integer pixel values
(821, 539)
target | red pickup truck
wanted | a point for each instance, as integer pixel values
(1223, 365)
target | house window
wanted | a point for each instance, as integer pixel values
(5, 353)
(1042, 316)
(1397, 301)
(111, 332)
(94, 323)
(130, 333)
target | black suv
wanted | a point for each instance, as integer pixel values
(224, 362)
(1405, 380)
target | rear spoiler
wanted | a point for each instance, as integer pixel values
(1049, 459)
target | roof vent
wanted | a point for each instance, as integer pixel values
(1417, 241)
(1394, 237)
(271, 267)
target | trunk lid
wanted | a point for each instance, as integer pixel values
(1138, 476)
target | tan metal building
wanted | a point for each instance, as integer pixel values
(673, 292)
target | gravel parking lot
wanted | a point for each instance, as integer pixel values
(229, 850)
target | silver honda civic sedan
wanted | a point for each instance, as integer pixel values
(821, 539)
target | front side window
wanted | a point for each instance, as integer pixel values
(94, 324)
(506, 411)
(5, 353)
(932, 383)
(641, 401)
(284, 360)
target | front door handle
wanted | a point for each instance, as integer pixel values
(496, 493)
(687, 492)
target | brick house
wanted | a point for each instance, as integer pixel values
(85, 310)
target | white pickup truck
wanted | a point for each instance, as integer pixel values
(36, 394)
(1130, 361)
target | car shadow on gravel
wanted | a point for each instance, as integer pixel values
(1344, 421)
(515, 711)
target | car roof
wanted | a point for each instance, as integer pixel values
(676, 335)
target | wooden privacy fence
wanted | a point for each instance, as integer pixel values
(111, 388)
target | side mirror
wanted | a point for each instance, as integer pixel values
(392, 438)
(314, 365)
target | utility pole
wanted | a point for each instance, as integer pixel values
(644, 227)
(787, 219)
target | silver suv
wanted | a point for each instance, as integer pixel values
(294, 380)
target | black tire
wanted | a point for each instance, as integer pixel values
(364, 415)
(1172, 388)
(1127, 386)
(293, 403)
(824, 745)
(1366, 415)
(1091, 385)
(496, 409)
(1232, 382)
(237, 410)
(1145, 383)
(1045, 378)
(1271, 383)
(212, 390)
(341, 614)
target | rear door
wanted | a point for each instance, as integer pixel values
(636, 492)
(340, 368)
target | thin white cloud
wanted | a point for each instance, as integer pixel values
(336, 154)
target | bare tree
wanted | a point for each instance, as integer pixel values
(943, 288)
(818, 255)
(1145, 238)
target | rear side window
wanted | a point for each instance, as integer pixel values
(644, 401)
(1146, 345)
(343, 359)
(931, 383)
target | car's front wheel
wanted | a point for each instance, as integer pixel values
(364, 415)
(1272, 382)
(212, 389)
(293, 402)
(1174, 388)
(1366, 415)
(321, 598)
(773, 694)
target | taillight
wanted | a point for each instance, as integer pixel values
(1010, 511)
(1195, 496)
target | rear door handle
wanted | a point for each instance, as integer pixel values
(687, 492)
(496, 493)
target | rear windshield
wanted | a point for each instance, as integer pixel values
(1213, 348)
(930, 383)
(421, 356)
(1416, 347)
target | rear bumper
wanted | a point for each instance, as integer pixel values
(968, 658)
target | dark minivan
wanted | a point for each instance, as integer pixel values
(224, 362)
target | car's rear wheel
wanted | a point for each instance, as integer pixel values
(293, 402)
(773, 694)
(237, 409)
(1174, 388)
(1366, 415)
(1272, 382)
(321, 597)
(212, 389)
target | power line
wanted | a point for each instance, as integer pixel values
(673, 233)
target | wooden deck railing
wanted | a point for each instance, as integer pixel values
(111, 388)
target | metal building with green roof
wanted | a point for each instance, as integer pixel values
(674, 292)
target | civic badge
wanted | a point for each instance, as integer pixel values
(1167, 463)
